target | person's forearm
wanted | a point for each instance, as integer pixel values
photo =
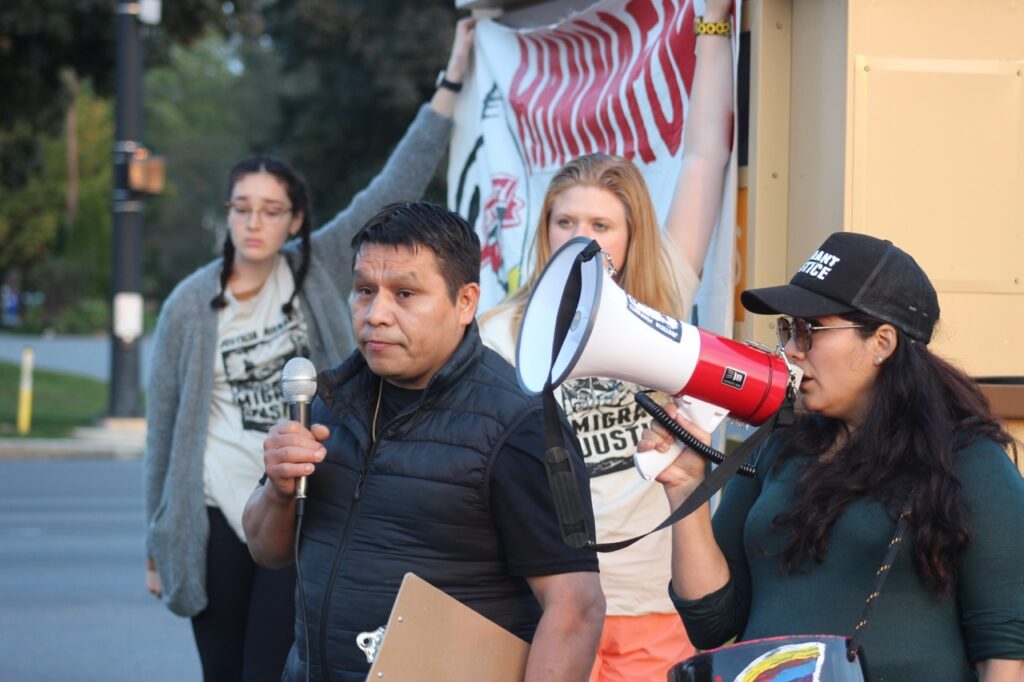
(564, 647)
(443, 102)
(444, 99)
(1001, 670)
(269, 524)
(698, 565)
(707, 139)
(708, 129)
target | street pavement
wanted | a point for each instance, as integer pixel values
(73, 602)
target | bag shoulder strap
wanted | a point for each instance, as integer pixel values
(854, 647)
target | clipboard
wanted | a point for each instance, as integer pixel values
(432, 637)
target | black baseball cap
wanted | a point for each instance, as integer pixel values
(855, 272)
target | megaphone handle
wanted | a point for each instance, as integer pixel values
(707, 452)
(650, 463)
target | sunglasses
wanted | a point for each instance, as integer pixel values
(800, 330)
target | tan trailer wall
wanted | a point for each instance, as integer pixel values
(765, 182)
(935, 160)
(903, 119)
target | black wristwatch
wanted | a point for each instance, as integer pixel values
(443, 82)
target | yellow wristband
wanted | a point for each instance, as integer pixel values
(711, 28)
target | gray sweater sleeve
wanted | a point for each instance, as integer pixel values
(403, 178)
(162, 395)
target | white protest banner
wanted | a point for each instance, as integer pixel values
(613, 78)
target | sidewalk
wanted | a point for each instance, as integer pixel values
(114, 439)
(87, 355)
(66, 448)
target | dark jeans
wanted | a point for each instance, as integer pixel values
(248, 625)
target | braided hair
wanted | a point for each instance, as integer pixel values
(298, 194)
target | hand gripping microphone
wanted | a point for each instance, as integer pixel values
(298, 382)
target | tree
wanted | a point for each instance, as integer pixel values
(39, 39)
(68, 261)
(374, 63)
(50, 50)
(30, 215)
(33, 215)
(329, 84)
(209, 106)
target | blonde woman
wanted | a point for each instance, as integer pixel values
(605, 198)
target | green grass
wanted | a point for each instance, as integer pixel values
(60, 402)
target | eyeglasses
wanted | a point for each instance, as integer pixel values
(787, 328)
(269, 214)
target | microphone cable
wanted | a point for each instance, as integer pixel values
(300, 509)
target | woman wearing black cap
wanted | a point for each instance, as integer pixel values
(888, 429)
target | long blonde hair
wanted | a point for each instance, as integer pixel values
(645, 275)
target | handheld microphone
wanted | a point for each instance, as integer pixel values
(298, 382)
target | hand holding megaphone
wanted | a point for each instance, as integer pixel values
(650, 463)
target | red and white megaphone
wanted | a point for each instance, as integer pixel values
(604, 332)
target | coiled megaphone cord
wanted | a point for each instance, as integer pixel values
(706, 451)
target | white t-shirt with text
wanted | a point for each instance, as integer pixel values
(608, 424)
(254, 340)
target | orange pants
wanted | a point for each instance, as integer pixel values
(640, 648)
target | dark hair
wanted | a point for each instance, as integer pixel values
(298, 194)
(922, 410)
(421, 223)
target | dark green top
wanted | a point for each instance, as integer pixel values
(912, 635)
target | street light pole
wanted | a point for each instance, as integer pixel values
(126, 320)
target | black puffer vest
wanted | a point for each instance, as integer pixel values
(416, 501)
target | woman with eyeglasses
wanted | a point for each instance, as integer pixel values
(223, 337)
(888, 429)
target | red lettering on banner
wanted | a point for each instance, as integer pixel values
(564, 112)
(523, 97)
(625, 140)
(680, 40)
(586, 87)
(558, 116)
(592, 95)
(490, 254)
(647, 19)
(547, 96)
(503, 208)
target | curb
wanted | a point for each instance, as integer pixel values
(66, 448)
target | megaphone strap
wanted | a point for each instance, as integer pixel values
(714, 481)
(562, 479)
(558, 461)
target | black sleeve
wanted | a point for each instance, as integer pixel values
(524, 508)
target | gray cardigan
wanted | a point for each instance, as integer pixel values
(181, 376)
